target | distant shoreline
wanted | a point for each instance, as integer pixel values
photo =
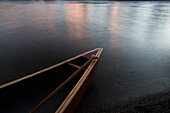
(93, 1)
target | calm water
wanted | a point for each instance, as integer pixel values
(135, 37)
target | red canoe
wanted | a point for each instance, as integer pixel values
(58, 88)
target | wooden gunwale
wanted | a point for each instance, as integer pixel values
(72, 94)
(62, 85)
(43, 70)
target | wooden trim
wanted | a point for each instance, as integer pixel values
(71, 95)
(43, 70)
(76, 66)
(61, 86)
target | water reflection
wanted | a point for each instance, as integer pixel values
(114, 25)
(135, 38)
(75, 21)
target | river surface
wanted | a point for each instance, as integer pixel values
(135, 37)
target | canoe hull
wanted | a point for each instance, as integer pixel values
(24, 94)
(74, 103)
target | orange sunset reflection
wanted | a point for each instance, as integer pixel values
(75, 21)
(114, 25)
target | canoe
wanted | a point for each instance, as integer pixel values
(25, 94)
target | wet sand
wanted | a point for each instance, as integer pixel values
(155, 103)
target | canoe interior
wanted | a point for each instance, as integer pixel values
(23, 96)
